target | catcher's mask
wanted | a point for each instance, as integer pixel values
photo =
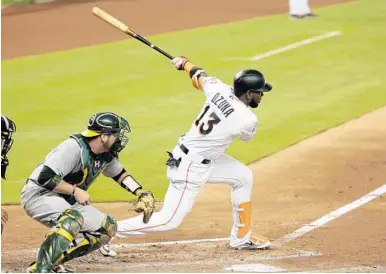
(109, 123)
(8, 127)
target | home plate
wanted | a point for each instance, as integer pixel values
(254, 268)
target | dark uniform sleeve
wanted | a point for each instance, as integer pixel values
(59, 162)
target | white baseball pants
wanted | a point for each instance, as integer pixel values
(299, 7)
(186, 182)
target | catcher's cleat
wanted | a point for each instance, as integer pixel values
(61, 268)
(31, 268)
(107, 252)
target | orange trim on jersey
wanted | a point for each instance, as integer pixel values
(174, 213)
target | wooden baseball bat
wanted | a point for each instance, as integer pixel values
(121, 26)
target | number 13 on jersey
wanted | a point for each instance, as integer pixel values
(205, 123)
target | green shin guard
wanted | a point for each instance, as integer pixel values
(69, 225)
(92, 241)
(88, 245)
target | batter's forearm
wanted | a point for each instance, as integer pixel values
(188, 67)
(196, 74)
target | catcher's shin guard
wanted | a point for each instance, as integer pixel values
(242, 235)
(92, 241)
(69, 225)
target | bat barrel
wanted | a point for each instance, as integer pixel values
(119, 25)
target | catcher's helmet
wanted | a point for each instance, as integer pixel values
(8, 127)
(109, 123)
(250, 79)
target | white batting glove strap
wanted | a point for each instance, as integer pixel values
(197, 73)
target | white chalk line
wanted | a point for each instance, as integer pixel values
(116, 246)
(357, 269)
(255, 268)
(196, 241)
(334, 214)
(309, 227)
(287, 238)
(302, 253)
(288, 47)
(303, 230)
(258, 268)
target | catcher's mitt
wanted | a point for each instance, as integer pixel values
(145, 204)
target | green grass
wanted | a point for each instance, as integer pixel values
(315, 87)
(8, 2)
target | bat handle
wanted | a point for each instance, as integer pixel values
(164, 53)
(145, 41)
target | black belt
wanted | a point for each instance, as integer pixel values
(186, 151)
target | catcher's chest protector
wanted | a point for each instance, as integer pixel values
(92, 165)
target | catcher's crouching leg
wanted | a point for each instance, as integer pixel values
(92, 240)
(68, 226)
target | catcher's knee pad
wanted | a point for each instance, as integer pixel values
(108, 230)
(69, 224)
(92, 240)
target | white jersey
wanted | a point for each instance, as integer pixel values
(222, 119)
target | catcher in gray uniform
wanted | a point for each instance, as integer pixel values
(56, 192)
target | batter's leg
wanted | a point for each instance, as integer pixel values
(299, 7)
(178, 202)
(228, 170)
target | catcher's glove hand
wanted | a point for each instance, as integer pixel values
(145, 204)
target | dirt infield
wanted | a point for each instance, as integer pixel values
(292, 188)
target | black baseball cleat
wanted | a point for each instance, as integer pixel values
(311, 15)
(303, 16)
(297, 16)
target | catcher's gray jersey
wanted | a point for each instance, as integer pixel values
(76, 164)
(66, 159)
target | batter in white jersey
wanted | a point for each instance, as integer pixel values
(199, 157)
(300, 9)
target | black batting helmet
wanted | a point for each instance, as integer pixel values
(250, 79)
